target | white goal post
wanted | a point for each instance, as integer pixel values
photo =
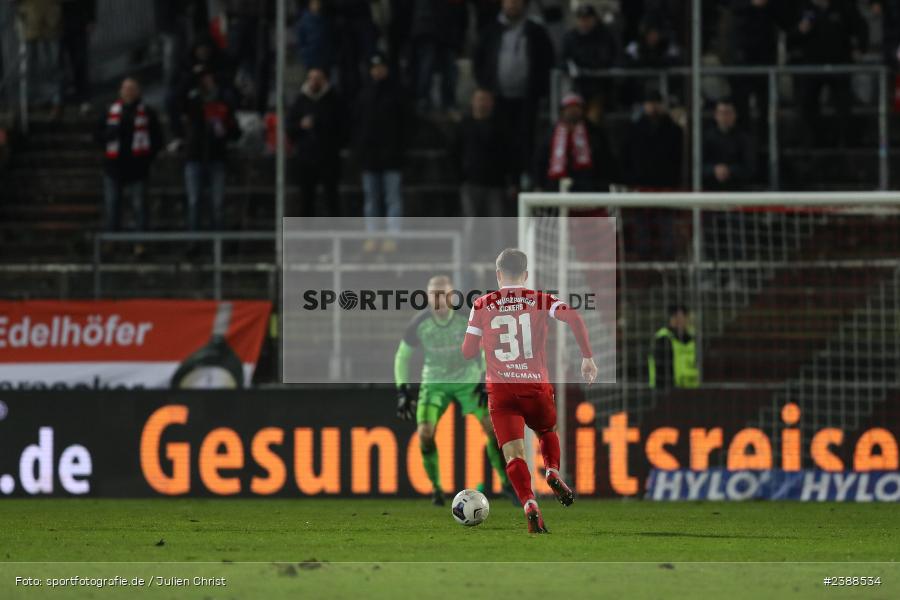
(745, 256)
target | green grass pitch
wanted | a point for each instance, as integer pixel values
(331, 547)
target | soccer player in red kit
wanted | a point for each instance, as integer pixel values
(511, 325)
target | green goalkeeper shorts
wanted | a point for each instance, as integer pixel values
(434, 398)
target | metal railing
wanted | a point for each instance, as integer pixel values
(336, 263)
(772, 73)
(215, 238)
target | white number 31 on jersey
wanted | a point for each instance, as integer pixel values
(510, 337)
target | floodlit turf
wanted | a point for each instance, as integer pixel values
(315, 535)
(413, 530)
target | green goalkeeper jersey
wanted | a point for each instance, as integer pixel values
(441, 343)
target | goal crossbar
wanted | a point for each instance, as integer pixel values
(706, 199)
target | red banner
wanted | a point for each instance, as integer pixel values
(131, 343)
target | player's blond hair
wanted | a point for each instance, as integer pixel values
(512, 262)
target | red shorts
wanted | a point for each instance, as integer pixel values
(515, 405)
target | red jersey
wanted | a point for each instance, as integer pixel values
(511, 325)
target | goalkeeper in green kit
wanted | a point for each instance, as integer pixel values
(446, 376)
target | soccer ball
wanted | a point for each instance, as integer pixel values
(470, 507)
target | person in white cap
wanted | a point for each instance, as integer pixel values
(576, 150)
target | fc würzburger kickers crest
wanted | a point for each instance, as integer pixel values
(133, 343)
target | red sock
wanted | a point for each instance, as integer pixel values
(520, 477)
(550, 450)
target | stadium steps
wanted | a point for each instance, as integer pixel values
(853, 381)
(51, 206)
(766, 328)
(850, 382)
(247, 207)
(824, 293)
(764, 344)
(855, 165)
(54, 187)
(82, 169)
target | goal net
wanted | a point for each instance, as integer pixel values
(793, 295)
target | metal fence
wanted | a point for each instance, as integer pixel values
(215, 240)
(351, 346)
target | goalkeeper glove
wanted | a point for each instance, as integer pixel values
(481, 390)
(406, 403)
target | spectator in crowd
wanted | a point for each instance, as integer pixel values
(381, 137)
(315, 126)
(485, 13)
(729, 162)
(398, 32)
(206, 53)
(672, 363)
(674, 19)
(889, 13)
(480, 155)
(172, 23)
(78, 20)
(356, 36)
(652, 149)
(513, 58)
(131, 137)
(41, 26)
(589, 46)
(315, 38)
(5, 151)
(654, 49)
(210, 124)
(830, 32)
(205, 57)
(651, 161)
(434, 50)
(177, 22)
(671, 16)
(632, 15)
(249, 44)
(575, 150)
(755, 25)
